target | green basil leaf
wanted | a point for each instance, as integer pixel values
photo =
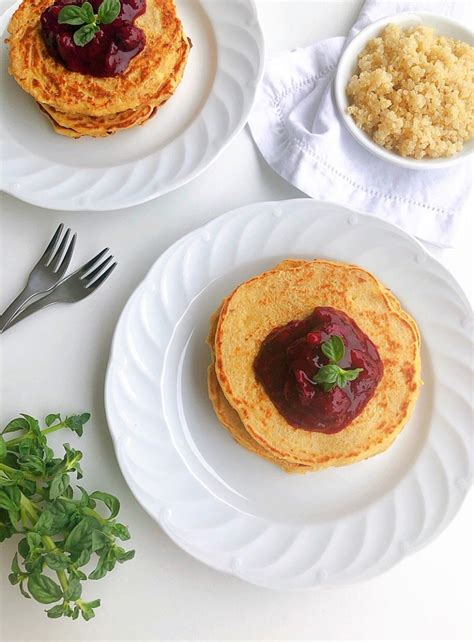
(58, 485)
(10, 498)
(3, 448)
(57, 561)
(55, 611)
(121, 532)
(99, 540)
(88, 12)
(23, 548)
(76, 422)
(87, 612)
(33, 424)
(15, 567)
(13, 579)
(351, 375)
(84, 558)
(100, 570)
(45, 522)
(81, 536)
(71, 14)
(109, 11)
(16, 424)
(334, 348)
(82, 37)
(44, 589)
(23, 592)
(123, 556)
(110, 501)
(73, 591)
(34, 540)
(51, 419)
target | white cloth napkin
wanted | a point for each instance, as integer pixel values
(296, 125)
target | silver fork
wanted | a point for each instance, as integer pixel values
(49, 270)
(74, 287)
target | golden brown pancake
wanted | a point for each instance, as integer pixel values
(76, 125)
(150, 79)
(229, 417)
(273, 299)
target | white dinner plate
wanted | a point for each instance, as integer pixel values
(223, 504)
(209, 108)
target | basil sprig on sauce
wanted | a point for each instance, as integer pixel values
(331, 374)
(84, 15)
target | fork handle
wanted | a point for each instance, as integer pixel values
(14, 307)
(44, 302)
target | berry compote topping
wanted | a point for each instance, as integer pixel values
(110, 50)
(291, 357)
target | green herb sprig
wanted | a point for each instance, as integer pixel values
(61, 532)
(84, 15)
(331, 374)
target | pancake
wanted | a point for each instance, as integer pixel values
(76, 125)
(81, 104)
(229, 417)
(273, 299)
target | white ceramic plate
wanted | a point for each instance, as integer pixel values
(187, 134)
(226, 506)
(347, 67)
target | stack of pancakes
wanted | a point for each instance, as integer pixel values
(83, 105)
(291, 291)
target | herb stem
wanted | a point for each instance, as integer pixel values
(51, 546)
(45, 431)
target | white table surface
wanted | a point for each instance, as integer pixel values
(56, 361)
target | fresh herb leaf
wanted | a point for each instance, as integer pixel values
(334, 348)
(50, 419)
(332, 375)
(85, 34)
(3, 448)
(76, 422)
(44, 589)
(88, 12)
(109, 11)
(16, 424)
(72, 14)
(110, 501)
(61, 528)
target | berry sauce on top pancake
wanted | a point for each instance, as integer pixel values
(109, 52)
(291, 357)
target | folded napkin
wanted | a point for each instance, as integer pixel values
(296, 125)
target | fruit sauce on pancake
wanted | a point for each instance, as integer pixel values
(291, 357)
(108, 53)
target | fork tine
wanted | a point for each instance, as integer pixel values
(102, 278)
(92, 275)
(90, 264)
(67, 257)
(56, 260)
(52, 244)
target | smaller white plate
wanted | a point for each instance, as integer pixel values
(209, 108)
(228, 507)
(347, 67)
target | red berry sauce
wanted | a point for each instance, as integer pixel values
(110, 51)
(291, 356)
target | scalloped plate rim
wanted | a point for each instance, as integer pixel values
(189, 548)
(64, 203)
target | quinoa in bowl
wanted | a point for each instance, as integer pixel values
(413, 92)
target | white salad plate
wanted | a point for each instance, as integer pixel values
(347, 67)
(209, 108)
(226, 506)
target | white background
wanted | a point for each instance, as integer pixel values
(56, 361)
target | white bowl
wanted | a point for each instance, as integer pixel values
(348, 67)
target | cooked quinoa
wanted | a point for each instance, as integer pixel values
(414, 92)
